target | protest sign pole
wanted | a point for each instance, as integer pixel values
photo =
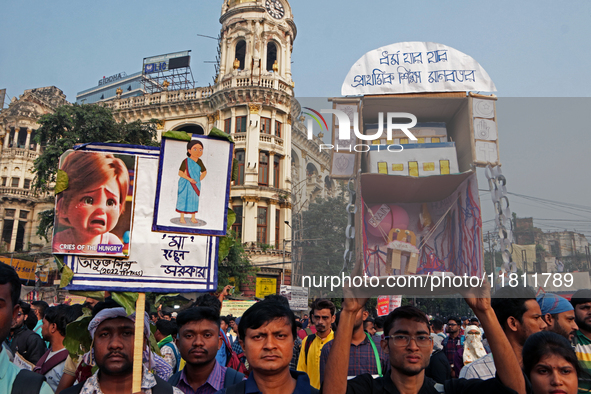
(138, 345)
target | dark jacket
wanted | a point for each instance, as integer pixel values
(28, 343)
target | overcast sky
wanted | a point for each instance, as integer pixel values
(536, 52)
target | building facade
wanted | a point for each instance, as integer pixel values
(19, 203)
(107, 88)
(253, 100)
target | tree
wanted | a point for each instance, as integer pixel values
(323, 239)
(235, 264)
(78, 124)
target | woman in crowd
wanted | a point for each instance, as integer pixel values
(550, 363)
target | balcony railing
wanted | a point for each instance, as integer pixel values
(18, 152)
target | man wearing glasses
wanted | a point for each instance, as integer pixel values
(453, 342)
(409, 347)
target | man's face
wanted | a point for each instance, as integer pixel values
(583, 316)
(224, 326)
(360, 319)
(452, 327)
(465, 322)
(46, 330)
(409, 360)
(531, 323)
(154, 319)
(8, 311)
(19, 319)
(113, 346)
(565, 325)
(199, 342)
(234, 326)
(305, 317)
(370, 328)
(322, 320)
(167, 317)
(269, 348)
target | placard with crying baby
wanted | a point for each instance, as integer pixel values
(94, 204)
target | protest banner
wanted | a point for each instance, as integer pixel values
(297, 297)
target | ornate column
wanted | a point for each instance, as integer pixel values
(272, 209)
(7, 138)
(14, 231)
(15, 139)
(249, 219)
(28, 141)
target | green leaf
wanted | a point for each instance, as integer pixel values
(217, 133)
(61, 181)
(177, 135)
(60, 263)
(231, 219)
(125, 299)
(77, 339)
(67, 275)
(225, 245)
(234, 169)
(97, 295)
(159, 298)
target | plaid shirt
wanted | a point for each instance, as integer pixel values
(297, 347)
(451, 347)
(361, 359)
(213, 384)
(483, 368)
(92, 386)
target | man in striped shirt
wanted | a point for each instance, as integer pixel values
(581, 301)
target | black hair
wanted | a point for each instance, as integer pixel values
(437, 324)
(31, 320)
(474, 319)
(152, 314)
(278, 298)
(299, 325)
(167, 314)
(545, 343)
(74, 312)
(106, 304)
(231, 318)
(60, 316)
(166, 327)
(225, 320)
(454, 318)
(510, 301)
(9, 276)
(582, 296)
(404, 312)
(42, 305)
(323, 303)
(379, 322)
(207, 300)
(197, 314)
(25, 307)
(264, 312)
(191, 144)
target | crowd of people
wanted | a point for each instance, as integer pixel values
(515, 343)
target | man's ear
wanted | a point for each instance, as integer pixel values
(548, 319)
(384, 345)
(220, 342)
(365, 315)
(333, 319)
(15, 310)
(513, 324)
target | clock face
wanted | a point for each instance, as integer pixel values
(275, 8)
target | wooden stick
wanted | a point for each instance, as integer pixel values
(138, 344)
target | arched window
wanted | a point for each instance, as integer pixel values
(271, 55)
(264, 168)
(240, 159)
(241, 53)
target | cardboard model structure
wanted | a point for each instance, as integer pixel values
(418, 209)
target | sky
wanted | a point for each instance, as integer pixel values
(536, 52)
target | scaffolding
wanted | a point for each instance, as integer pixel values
(167, 72)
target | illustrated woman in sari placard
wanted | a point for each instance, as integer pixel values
(191, 173)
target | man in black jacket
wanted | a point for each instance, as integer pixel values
(25, 341)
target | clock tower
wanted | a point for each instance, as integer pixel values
(253, 100)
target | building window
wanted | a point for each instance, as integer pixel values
(271, 55)
(241, 53)
(263, 168)
(240, 124)
(23, 215)
(15, 182)
(277, 221)
(228, 125)
(278, 128)
(276, 160)
(4, 181)
(262, 225)
(237, 226)
(240, 159)
(9, 213)
(27, 184)
(265, 125)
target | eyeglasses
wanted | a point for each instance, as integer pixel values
(404, 340)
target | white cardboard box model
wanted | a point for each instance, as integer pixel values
(413, 160)
(426, 132)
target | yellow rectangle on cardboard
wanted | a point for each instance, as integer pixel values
(265, 287)
(24, 269)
